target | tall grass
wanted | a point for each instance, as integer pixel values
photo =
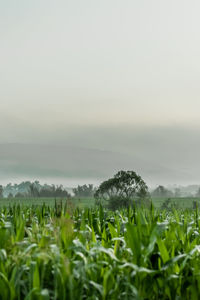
(65, 253)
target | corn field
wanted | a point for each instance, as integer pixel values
(65, 253)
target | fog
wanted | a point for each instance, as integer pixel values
(88, 88)
(162, 155)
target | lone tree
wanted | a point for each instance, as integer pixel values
(122, 189)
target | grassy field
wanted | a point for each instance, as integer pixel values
(83, 202)
(181, 203)
(61, 253)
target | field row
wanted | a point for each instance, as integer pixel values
(62, 253)
(178, 203)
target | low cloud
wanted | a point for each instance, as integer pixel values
(160, 154)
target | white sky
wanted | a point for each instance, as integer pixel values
(66, 65)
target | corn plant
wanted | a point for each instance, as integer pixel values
(68, 253)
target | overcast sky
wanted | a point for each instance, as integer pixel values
(119, 78)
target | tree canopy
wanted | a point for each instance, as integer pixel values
(124, 185)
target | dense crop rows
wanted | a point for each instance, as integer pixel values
(57, 253)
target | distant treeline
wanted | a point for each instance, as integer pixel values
(163, 192)
(35, 189)
(84, 191)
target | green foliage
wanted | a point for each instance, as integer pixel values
(117, 202)
(84, 190)
(62, 252)
(122, 189)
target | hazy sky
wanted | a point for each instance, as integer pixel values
(117, 77)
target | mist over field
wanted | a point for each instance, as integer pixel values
(164, 155)
(90, 88)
